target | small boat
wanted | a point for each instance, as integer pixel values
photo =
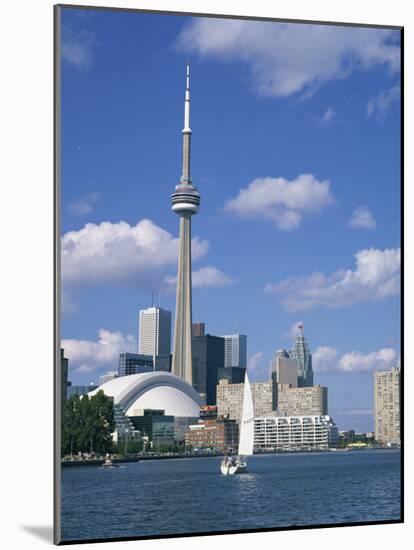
(230, 464)
(108, 463)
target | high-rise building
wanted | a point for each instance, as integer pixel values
(185, 203)
(235, 350)
(108, 376)
(154, 333)
(64, 384)
(309, 401)
(283, 370)
(198, 329)
(208, 357)
(134, 363)
(230, 399)
(234, 375)
(301, 353)
(387, 391)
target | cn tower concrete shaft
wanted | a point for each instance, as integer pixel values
(185, 203)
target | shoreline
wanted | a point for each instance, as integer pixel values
(121, 460)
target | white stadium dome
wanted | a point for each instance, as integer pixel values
(153, 390)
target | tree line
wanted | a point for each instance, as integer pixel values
(88, 424)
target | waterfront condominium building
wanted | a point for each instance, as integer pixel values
(303, 357)
(154, 332)
(283, 370)
(230, 399)
(218, 434)
(208, 358)
(235, 350)
(312, 401)
(295, 432)
(387, 391)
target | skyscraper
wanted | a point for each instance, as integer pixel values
(208, 358)
(387, 406)
(185, 203)
(284, 370)
(235, 350)
(64, 384)
(134, 363)
(301, 353)
(154, 333)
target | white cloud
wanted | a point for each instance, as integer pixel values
(210, 276)
(67, 302)
(376, 277)
(281, 201)
(380, 104)
(88, 356)
(362, 218)
(112, 254)
(377, 360)
(286, 58)
(77, 47)
(328, 116)
(205, 277)
(84, 205)
(254, 361)
(326, 359)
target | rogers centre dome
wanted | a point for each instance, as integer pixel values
(153, 390)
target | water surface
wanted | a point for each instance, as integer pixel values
(188, 495)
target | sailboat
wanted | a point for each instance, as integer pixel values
(231, 465)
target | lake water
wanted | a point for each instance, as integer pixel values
(190, 495)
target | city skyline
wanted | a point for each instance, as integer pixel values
(257, 291)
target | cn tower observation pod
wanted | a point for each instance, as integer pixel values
(153, 390)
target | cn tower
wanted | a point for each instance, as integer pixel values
(185, 202)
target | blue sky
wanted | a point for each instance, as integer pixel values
(271, 103)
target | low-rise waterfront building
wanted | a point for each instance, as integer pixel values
(181, 425)
(216, 434)
(154, 424)
(294, 432)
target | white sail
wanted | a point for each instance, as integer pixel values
(247, 421)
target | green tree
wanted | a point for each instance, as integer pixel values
(88, 424)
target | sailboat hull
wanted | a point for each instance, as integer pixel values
(230, 469)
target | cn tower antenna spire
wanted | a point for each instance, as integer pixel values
(187, 102)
